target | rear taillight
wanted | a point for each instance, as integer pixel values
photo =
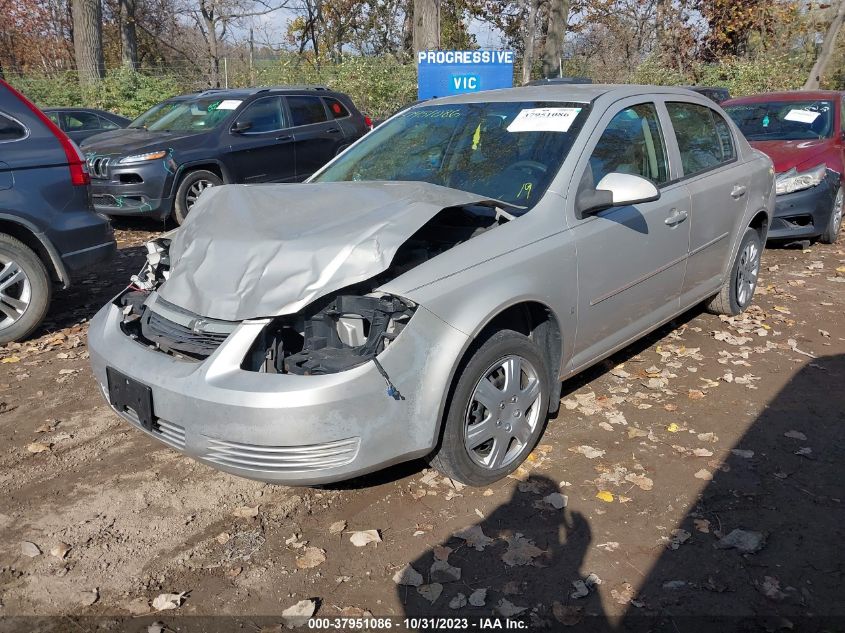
(368, 122)
(76, 163)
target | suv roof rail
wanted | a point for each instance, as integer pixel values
(296, 87)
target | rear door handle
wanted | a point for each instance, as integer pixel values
(333, 130)
(738, 191)
(676, 218)
(284, 139)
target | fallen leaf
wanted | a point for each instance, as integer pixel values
(408, 576)
(702, 452)
(10, 359)
(363, 537)
(641, 481)
(744, 541)
(458, 601)
(605, 495)
(223, 538)
(679, 537)
(87, 597)
(520, 551)
(507, 609)
(478, 597)
(795, 435)
(311, 557)
(298, 614)
(430, 592)
(337, 527)
(166, 601)
(474, 537)
(673, 428)
(37, 447)
(441, 571)
(30, 549)
(583, 587)
(60, 550)
(702, 525)
(589, 452)
(804, 451)
(556, 500)
(610, 546)
(745, 454)
(695, 394)
(704, 474)
(623, 594)
(771, 589)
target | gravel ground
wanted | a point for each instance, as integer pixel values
(696, 473)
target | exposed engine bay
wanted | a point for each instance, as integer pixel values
(337, 332)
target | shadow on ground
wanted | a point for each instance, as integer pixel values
(781, 486)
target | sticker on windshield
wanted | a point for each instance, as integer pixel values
(544, 120)
(229, 104)
(802, 116)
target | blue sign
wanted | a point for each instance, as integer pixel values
(442, 73)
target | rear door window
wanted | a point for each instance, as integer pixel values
(10, 129)
(83, 121)
(704, 137)
(306, 110)
(264, 115)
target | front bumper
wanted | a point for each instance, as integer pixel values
(803, 214)
(283, 428)
(143, 189)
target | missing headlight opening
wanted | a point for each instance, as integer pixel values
(343, 333)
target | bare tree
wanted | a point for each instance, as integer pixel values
(426, 25)
(558, 17)
(128, 36)
(826, 53)
(88, 40)
(215, 20)
(529, 36)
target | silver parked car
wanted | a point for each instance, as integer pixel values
(424, 294)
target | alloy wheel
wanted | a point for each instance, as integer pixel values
(195, 190)
(836, 222)
(503, 412)
(746, 274)
(15, 291)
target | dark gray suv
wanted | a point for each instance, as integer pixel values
(169, 155)
(48, 231)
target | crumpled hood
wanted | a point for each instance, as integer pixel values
(788, 154)
(249, 251)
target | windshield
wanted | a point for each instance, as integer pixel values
(507, 151)
(783, 120)
(191, 115)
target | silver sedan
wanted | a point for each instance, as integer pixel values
(427, 291)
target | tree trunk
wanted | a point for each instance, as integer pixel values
(128, 37)
(826, 53)
(528, 41)
(208, 17)
(555, 32)
(426, 27)
(88, 40)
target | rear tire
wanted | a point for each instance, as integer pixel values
(738, 289)
(190, 187)
(497, 412)
(25, 290)
(831, 232)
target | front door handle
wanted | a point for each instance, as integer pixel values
(738, 191)
(676, 218)
(284, 139)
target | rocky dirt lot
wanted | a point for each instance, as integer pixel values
(697, 473)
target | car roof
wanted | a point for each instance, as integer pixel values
(576, 93)
(74, 109)
(243, 93)
(786, 95)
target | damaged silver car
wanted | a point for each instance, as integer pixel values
(426, 292)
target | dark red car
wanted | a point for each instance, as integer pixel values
(801, 131)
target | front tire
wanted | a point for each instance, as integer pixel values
(25, 290)
(190, 187)
(738, 289)
(831, 232)
(497, 412)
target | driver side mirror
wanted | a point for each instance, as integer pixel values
(616, 190)
(239, 127)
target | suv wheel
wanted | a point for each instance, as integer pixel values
(831, 232)
(497, 411)
(191, 186)
(25, 290)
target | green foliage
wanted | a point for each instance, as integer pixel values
(740, 76)
(122, 91)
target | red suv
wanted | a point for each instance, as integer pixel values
(801, 132)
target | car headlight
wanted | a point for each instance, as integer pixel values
(140, 158)
(793, 180)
